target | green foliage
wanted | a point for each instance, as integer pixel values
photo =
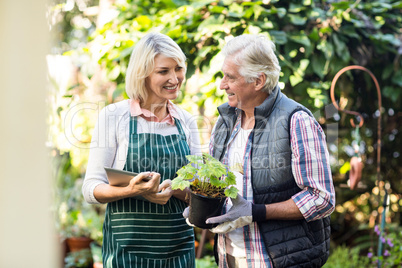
(96, 251)
(365, 250)
(77, 218)
(69, 26)
(207, 176)
(73, 216)
(391, 255)
(81, 258)
(206, 262)
(344, 257)
(314, 39)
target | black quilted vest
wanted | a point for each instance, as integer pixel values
(289, 243)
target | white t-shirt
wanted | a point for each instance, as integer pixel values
(236, 149)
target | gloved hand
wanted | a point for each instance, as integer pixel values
(186, 212)
(241, 213)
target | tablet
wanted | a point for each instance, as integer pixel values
(119, 177)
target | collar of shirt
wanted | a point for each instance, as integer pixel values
(136, 110)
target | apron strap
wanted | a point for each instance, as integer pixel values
(179, 127)
(133, 125)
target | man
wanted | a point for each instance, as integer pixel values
(278, 152)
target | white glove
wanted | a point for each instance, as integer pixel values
(186, 212)
(242, 213)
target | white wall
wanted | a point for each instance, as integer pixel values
(26, 235)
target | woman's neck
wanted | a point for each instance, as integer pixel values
(160, 110)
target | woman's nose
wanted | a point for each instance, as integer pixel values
(173, 78)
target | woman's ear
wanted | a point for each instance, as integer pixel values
(260, 81)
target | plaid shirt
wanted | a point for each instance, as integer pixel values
(311, 170)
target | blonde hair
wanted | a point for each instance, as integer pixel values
(255, 55)
(142, 62)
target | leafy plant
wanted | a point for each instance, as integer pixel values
(96, 250)
(346, 257)
(81, 258)
(392, 245)
(206, 176)
(205, 262)
(77, 218)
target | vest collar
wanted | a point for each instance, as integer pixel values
(265, 109)
(226, 111)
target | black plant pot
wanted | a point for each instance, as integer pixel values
(202, 208)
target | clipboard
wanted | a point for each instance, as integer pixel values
(121, 178)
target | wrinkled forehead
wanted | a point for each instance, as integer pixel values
(229, 66)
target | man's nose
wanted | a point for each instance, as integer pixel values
(223, 85)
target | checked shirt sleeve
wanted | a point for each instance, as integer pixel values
(310, 167)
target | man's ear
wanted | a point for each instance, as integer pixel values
(260, 81)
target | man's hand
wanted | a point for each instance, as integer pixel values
(242, 213)
(186, 212)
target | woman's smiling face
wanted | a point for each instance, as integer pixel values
(165, 80)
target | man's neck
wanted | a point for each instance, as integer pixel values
(248, 119)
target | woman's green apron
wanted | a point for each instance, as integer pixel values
(139, 233)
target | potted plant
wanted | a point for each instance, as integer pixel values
(210, 182)
(77, 240)
(80, 223)
(96, 250)
(79, 259)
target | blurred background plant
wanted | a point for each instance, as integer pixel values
(391, 247)
(79, 259)
(315, 39)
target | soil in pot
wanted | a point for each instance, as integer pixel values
(202, 208)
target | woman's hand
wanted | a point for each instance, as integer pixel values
(144, 183)
(163, 195)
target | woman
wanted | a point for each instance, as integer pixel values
(146, 134)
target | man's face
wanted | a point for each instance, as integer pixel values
(240, 93)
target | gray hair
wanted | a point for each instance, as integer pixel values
(255, 55)
(142, 62)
